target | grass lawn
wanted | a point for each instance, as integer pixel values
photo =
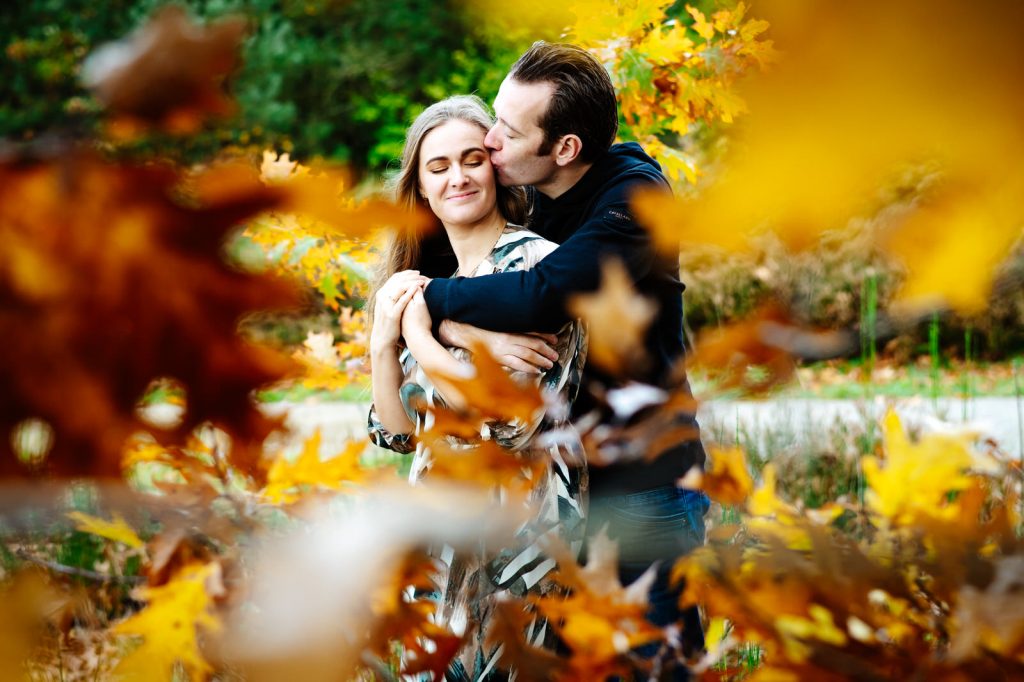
(845, 379)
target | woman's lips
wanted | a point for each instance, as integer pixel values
(462, 195)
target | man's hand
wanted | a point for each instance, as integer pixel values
(522, 352)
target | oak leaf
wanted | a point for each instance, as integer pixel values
(170, 624)
(600, 621)
(286, 479)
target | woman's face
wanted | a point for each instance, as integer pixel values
(455, 174)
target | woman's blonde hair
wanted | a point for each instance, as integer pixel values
(403, 249)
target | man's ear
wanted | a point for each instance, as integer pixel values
(567, 149)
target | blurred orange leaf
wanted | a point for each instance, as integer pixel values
(759, 352)
(493, 393)
(617, 319)
(600, 620)
(728, 481)
(129, 286)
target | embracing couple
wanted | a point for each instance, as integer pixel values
(501, 276)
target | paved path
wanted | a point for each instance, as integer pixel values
(800, 420)
(785, 421)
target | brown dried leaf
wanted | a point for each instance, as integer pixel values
(170, 73)
(508, 623)
(770, 340)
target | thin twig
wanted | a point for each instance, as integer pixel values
(80, 572)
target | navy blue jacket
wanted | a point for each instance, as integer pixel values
(590, 221)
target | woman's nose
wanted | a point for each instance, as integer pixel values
(457, 176)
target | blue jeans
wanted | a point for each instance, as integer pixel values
(656, 526)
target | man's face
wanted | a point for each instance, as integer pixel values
(517, 137)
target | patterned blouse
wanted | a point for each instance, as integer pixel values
(473, 581)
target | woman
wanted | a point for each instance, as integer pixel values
(446, 168)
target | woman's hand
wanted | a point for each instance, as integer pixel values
(416, 317)
(391, 301)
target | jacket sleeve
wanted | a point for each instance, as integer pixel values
(535, 300)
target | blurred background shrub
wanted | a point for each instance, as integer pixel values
(332, 79)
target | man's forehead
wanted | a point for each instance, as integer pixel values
(522, 104)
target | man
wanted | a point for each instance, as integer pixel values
(557, 119)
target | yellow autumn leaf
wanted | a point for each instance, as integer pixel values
(765, 501)
(666, 47)
(978, 232)
(912, 483)
(835, 123)
(169, 626)
(701, 25)
(286, 479)
(117, 530)
(716, 633)
(819, 625)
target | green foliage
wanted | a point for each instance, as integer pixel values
(80, 550)
(321, 78)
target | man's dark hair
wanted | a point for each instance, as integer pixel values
(583, 103)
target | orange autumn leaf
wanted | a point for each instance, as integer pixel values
(600, 620)
(159, 302)
(486, 463)
(490, 391)
(170, 623)
(508, 621)
(617, 319)
(409, 622)
(170, 73)
(728, 480)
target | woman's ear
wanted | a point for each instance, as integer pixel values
(568, 149)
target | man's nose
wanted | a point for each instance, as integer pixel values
(491, 139)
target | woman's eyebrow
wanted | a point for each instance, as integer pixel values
(465, 153)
